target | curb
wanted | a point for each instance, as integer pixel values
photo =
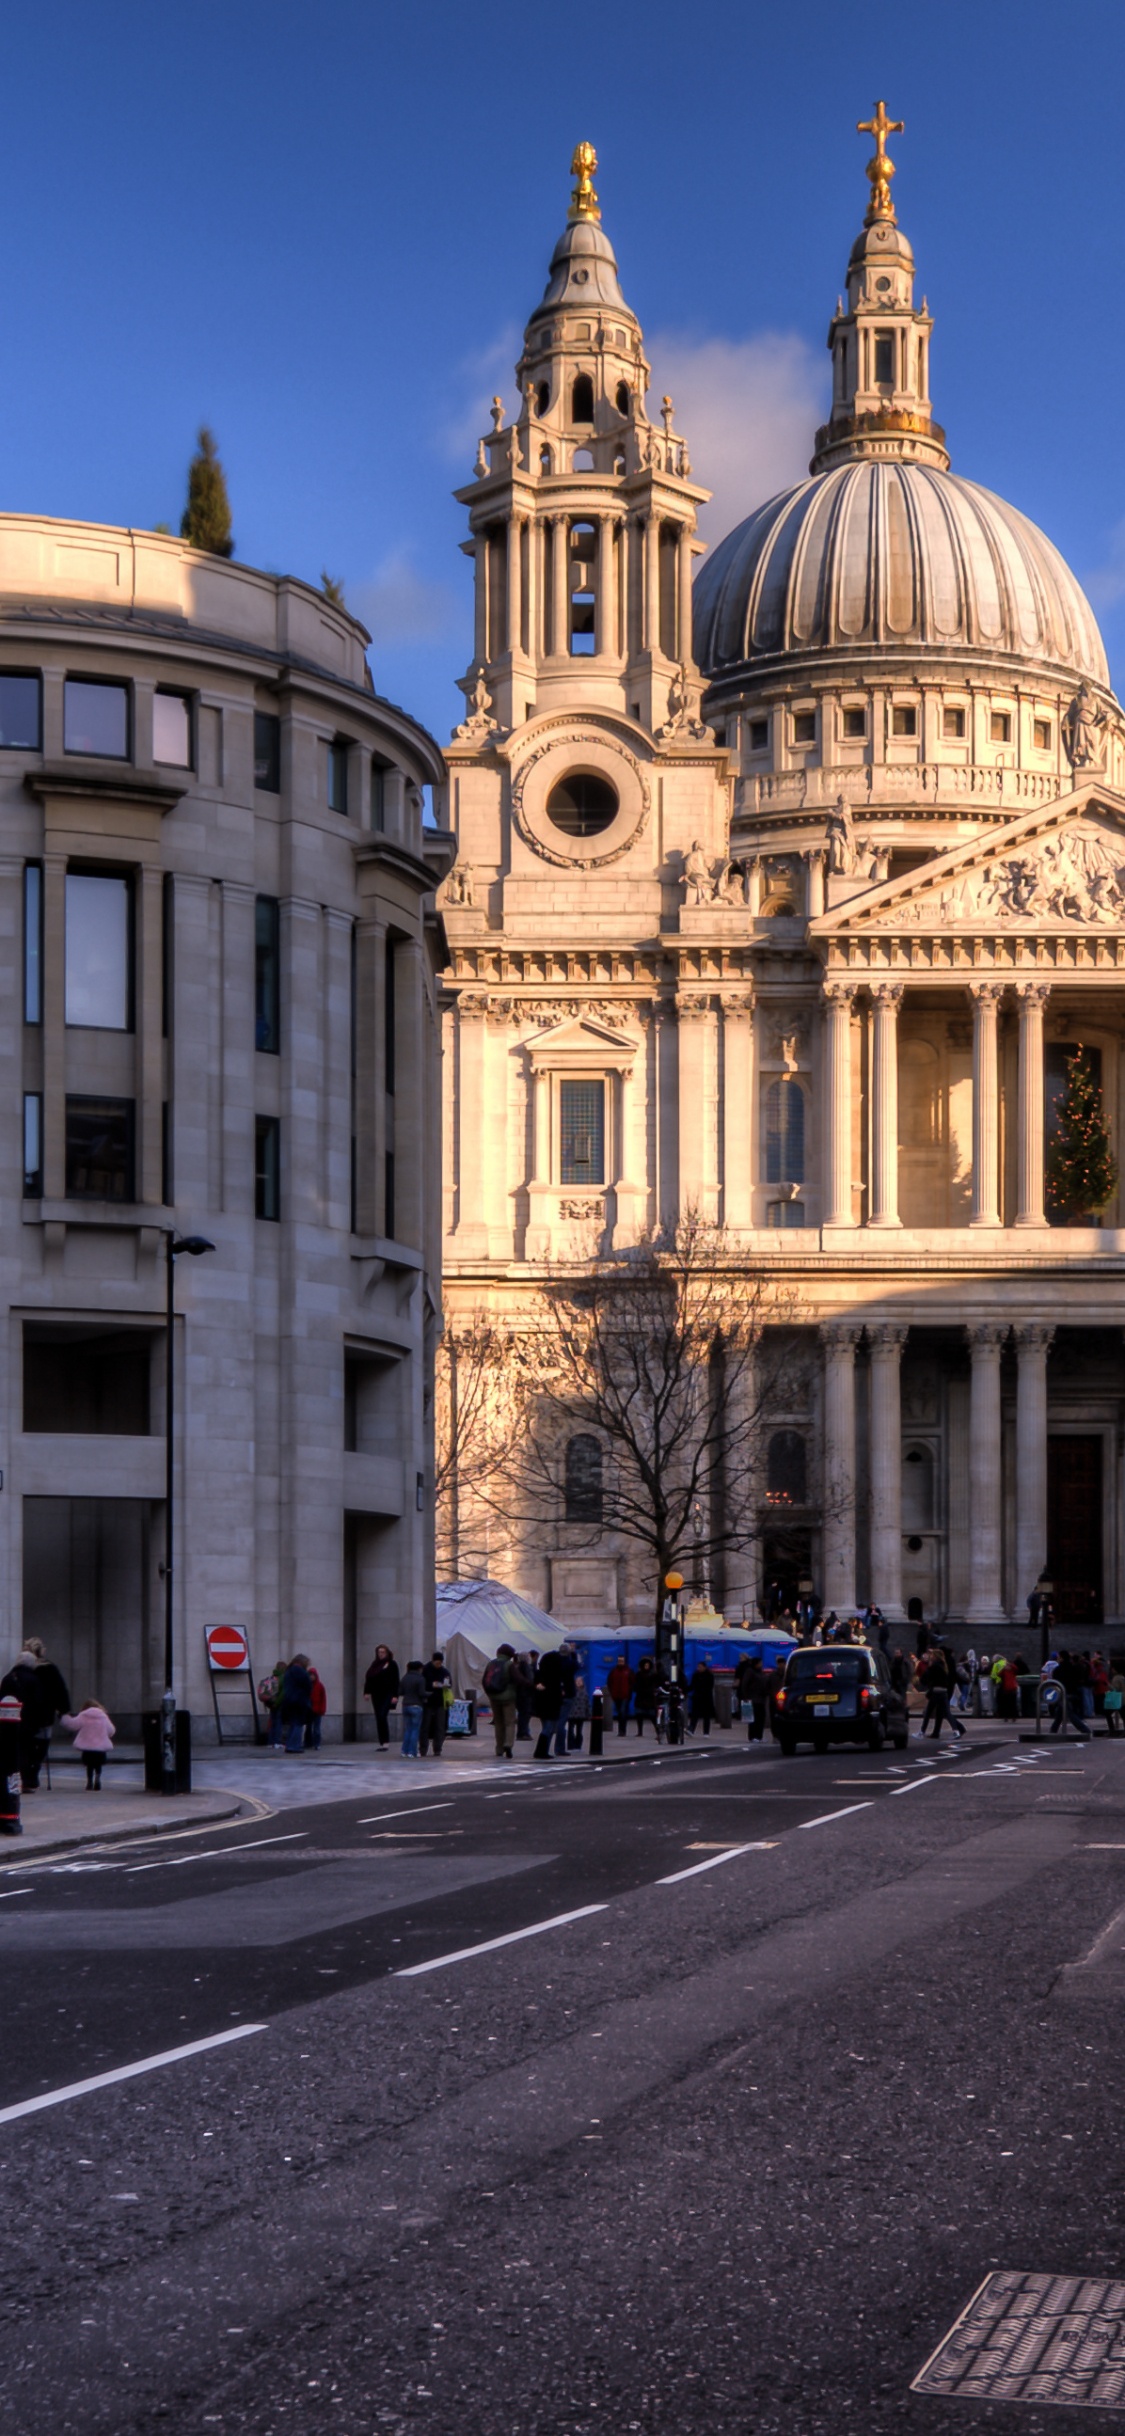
(245, 1806)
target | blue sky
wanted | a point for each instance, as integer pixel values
(321, 227)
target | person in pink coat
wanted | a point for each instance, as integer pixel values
(93, 1735)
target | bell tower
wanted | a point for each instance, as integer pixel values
(880, 344)
(583, 512)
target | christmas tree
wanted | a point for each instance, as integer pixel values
(206, 518)
(1081, 1168)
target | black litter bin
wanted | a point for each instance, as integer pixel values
(151, 1724)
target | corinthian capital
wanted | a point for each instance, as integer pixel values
(888, 994)
(887, 1338)
(1033, 1336)
(840, 994)
(986, 993)
(1032, 993)
(986, 1336)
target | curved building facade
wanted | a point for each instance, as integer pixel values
(217, 899)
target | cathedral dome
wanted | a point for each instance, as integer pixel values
(872, 552)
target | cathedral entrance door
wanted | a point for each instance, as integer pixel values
(1074, 1528)
(786, 1562)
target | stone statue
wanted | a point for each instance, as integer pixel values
(840, 840)
(1082, 728)
(732, 886)
(699, 888)
(459, 886)
(681, 720)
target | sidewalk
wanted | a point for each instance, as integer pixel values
(68, 1819)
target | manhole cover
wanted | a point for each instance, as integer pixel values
(1035, 2338)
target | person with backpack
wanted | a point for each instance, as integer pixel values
(269, 1696)
(498, 1683)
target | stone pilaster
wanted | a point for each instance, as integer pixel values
(839, 1339)
(1033, 1344)
(986, 997)
(839, 1001)
(986, 1341)
(886, 1342)
(1031, 998)
(887, 999)
(737, 1110)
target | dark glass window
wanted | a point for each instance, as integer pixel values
(885, 358)
(378, 794)
(99, 1149)
(267, 1167)
(94, 1386)
(583, 804)
(267, 752)
(96, 718)
(167, 1187)
(171, 730)
(389, 1193)
(953, 722)
(168, 945)
(1001, 727)
(33, 1144)
(1042, 731)
(785, 1214)
(582, 399)
(20, 714)
(904, 719)
(583, 1480)
(786, 1468)
(785, 1133)
(33, 943)
(623, 397)
(389, 1018)
(759, 735)
(855, 723)
(542, 397)
(804, 727)
(99, 951)
(582, 1125)
(267, 975)
(338, 775)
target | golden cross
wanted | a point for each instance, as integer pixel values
(880, 168)
(584, 202)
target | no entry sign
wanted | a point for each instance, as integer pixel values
(228, 1650)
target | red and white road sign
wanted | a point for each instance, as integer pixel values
(228, 1650)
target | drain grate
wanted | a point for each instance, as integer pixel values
(1034, 2338)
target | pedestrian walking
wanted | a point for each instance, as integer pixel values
(93, 1733)
(498, 1683)
(753, 1695)
(413, 1690)
(569, 1658)
(526, 1667)
(1114, 1703)
(579, 1712)
(439, 1682)
(646, 1695)
(548, 1699)
(296, 1702)
(42, 1694)
(269, 1693)
(381, 1688)
(940, 1682)
(619, 1685)
(10, 1747)
(1069, 1675)
(701, 1702)
(319, 1712)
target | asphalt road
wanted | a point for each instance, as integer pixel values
(813, 2047)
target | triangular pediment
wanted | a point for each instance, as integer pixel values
(582, 1041)
(1058, 867)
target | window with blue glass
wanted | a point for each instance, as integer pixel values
(784, 1133)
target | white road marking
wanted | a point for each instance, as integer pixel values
(295, 1836)
(915, 1786)
(491, 1945)
(715, 1862)
(128, 2072)
(16, 1890)
(420, 1813)
(849, 1813)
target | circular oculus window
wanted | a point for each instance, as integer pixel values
(583, 804)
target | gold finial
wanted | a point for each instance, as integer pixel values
(584, 202)
(880, 168)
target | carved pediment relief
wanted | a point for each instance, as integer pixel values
(1058, 868)
(581, 1043)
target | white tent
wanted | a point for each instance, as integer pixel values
(472, 1620)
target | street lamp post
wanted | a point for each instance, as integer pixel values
(173, 1245)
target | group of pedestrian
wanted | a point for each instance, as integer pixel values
(295, 1702)
(423, 1688)
(33, 1700)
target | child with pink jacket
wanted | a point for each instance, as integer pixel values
(93, 1734)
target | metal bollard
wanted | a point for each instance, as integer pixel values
(597, 1724)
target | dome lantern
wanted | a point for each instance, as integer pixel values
(880, 345)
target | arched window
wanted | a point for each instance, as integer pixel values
(542, 397)
(582, 400)
(583, 1480)
(624, 395)
(619, 463)
(583, 461)
(583, 552)
(786, 1468)
(544, 460)
(918, 1489)
(785, 1132)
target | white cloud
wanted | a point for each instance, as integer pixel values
(487, 373)
(748, 409)
(400, 605)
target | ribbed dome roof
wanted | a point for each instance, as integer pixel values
(874, 552)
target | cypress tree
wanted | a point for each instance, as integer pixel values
(1081, 1168)
(206, 518)
(332, 589)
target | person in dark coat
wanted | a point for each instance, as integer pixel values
(753, 1687)
(646, 1694)
(619, 1685)
(701, 1704)
(39, 1687)
(10, 1745)
(550, 1691)
(438, 1682)
(380, 1687)
(526, 1669)
(296, 1702)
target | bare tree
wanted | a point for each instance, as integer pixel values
(476, 1385)
(655, 1353)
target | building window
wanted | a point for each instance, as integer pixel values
(96, 718)
(786, 1469)
(33, 1144)
(583, 1480)
(542, 397)
(267, 1167)
(623, 397)
(855, 723)
(953, 724)
(759, 735)
(785, 1213)
(93, 1385)
(267, 975)
(918, 1489)
(33, 943)
(379, 794)
(582, 399)
(167, 1181)
(267, 753)
(583, 804)
(20, 715)
(583, 544)
(99, 1149)
(884, 358)
(904, 719)
(1042, 734)
(582, 1129)
(785, 1133)
(338, 774)
(389, 1194)
(171, 730)
(389, 1014)
(1000, 728)
(804, 727)
(99, 951)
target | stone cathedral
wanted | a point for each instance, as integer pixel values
(790, 880)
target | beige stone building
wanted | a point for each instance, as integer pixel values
(812, 948)
(220, 935)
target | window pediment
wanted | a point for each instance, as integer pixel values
(581, 1042)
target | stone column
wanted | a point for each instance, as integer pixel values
(515, 583)
(1033, 1343)
(560, 587)
(683, 614)
(986, 1607)
(839, 999)
(886, 1342)
(887, 998)
(605, 602)
(696, 1182)
(839, 1339)
(650, 640)
(471, 1228)
(986, 997)
(1031, 998)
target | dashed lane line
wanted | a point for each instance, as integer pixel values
(128, 2072)
(491, 1945)
(831, 1815)
(716, 1861)
(296, 1835)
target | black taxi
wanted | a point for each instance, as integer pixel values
(842, 1693)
